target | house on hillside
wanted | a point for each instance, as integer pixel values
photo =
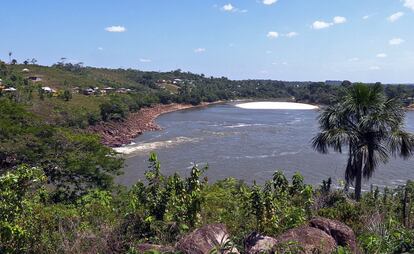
(107, 90)
(35, 78)
(9, 90)
(75, 89)
(47, 89)
(123, 90)
(88, 91)
(25, 70)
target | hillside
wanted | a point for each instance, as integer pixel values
(72, 95)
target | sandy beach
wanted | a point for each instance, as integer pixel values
(276, 105)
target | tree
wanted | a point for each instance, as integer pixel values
(66, 95)
(33, 61)
(73, 162)
(370, 125)
(10, 54)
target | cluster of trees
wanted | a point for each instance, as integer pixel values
(369, 126)
(57, 191)
(164, 208)
(192, 89)
(72, 161)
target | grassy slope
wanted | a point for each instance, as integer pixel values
(90, 77)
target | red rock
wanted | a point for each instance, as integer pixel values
(120, 133)
(305, 240)
(343, 235)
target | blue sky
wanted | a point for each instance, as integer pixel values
(359, 40)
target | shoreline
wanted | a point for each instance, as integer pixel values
(117, 134)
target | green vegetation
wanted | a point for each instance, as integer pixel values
(370, 125)
(57, 193)
(163, 209)
(72, 105)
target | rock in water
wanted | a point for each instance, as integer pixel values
(206, 239)
(305, 240)
(256, 243)
(343, 235)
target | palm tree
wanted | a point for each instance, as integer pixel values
(370, 125)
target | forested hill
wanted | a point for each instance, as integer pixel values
(76, 96)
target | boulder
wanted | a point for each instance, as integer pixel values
(256, 243)
(305, 240)
(206, 239)
(146, 247)
(343, 235)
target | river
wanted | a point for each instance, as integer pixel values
(248, 144)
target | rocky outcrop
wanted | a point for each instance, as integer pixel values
(206, 239)
(118, 133)
(146, 247)
(306, 240)
(256, 243)
(343, 235)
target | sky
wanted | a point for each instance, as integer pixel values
(297, 40)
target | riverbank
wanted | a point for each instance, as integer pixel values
(116, 134)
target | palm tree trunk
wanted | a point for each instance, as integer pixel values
(358, 180)
(358, 184)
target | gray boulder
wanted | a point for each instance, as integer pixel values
(343, 235)
(205, 239)
(256, 243)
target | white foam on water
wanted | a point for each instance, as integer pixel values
(276, 105)
(242, 125)
(151, 146)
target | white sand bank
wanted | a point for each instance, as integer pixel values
(276, 105)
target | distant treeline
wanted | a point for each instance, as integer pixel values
(148, 88)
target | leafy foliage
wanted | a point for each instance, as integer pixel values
(370, 126)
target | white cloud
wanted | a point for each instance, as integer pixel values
(100, 48)
(228, 7)
(381, 55)
(291, 34)
(145, 60)
(269, 2)
(199, 50)
(354, 59)
(317, 25)
(269, 52)
(396, 41)
(374, 68)
(339, 20)
(115, 29)
(396, 16)
(231, 8)
(272, 35)
(409, 4)
(368, 16)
